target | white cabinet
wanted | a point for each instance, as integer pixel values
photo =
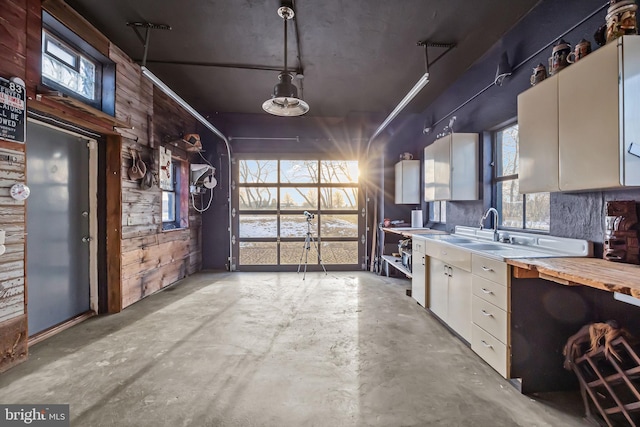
(595, 124)
(451, 168)
(450, 288)
(538, 136)
(491, 312)
(408, 182)
(418, 271)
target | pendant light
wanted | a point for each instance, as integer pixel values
(284, 101)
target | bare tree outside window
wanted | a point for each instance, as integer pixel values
(529, 211)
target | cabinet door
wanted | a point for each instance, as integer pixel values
(464, 166)
(589, 122)
(538, 137)
(442, 161)
(438, 288)
(459, 304)
(408, 182)
(429, 174)
(418, 281)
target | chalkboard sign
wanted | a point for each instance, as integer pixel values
(13, 109)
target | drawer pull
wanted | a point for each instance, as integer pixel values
(487, 268)
(486, 313)
(487, 291)
(484, 343)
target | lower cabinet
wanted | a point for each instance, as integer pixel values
(471, 294)
(419, 271)
(450, 295)
(491, 312)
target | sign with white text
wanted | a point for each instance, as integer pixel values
(13, 109)
(34, 415)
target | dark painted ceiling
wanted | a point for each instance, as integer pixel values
(358, 56)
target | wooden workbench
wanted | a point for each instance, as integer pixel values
(593, 272)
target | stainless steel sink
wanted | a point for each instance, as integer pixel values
(455, 239)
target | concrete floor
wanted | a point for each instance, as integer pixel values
(253, 349)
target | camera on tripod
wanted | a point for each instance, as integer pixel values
(309, 215)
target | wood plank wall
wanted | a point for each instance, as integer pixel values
(150, 258)
(13, 322)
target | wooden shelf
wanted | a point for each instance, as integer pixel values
(185, 145)
(79, 105)
(396, 262)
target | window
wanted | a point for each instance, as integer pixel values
(73, 67)
(438, 212)
(530, 211)
(171, 212)
(273, 195)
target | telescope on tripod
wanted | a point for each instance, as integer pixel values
(308, 241)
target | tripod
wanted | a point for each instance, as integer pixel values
(307, 247)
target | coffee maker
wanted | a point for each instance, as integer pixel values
(621, 235)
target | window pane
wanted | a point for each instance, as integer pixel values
(538, 211)
(443, 212)
(339, 198)
(339, 226)
(299, 198)
(168, 206)
(299, 171)
(510, 204)
(434, 211)
(258, 171)
(296, 226)
(507, 151)
(339, 252)
(258, 198)
(258, 253)
(87, 79)
(61, 53)
(258, 226)
(339, 172)
(291, 252)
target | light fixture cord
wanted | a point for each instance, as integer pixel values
(285, 42)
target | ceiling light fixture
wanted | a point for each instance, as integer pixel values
(284, 101)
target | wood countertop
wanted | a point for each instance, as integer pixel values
(593, 272)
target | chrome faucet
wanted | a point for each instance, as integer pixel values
(495, 221)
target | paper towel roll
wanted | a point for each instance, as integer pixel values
(416, 219)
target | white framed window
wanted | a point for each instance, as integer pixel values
(524, 211)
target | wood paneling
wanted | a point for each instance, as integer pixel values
(13, 342)
(141, 258)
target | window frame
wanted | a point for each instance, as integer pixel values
(105, 68)
(180, 216)
(497, 179)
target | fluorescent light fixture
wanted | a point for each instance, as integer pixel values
(401, 106)
(171, 94)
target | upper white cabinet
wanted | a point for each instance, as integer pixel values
(538, 137)
(451, 168)
(408, 182)
(595, 129)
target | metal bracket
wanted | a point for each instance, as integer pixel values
(145, 40)
(427, 44)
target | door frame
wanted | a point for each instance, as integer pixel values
(92, 145)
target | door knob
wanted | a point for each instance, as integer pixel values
(86, 239)
(85, 214)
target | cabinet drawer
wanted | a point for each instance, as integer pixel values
(417, 246)
(452, 256)
(490, 318)
(489, 268)
(491, 350)
(492, 292)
